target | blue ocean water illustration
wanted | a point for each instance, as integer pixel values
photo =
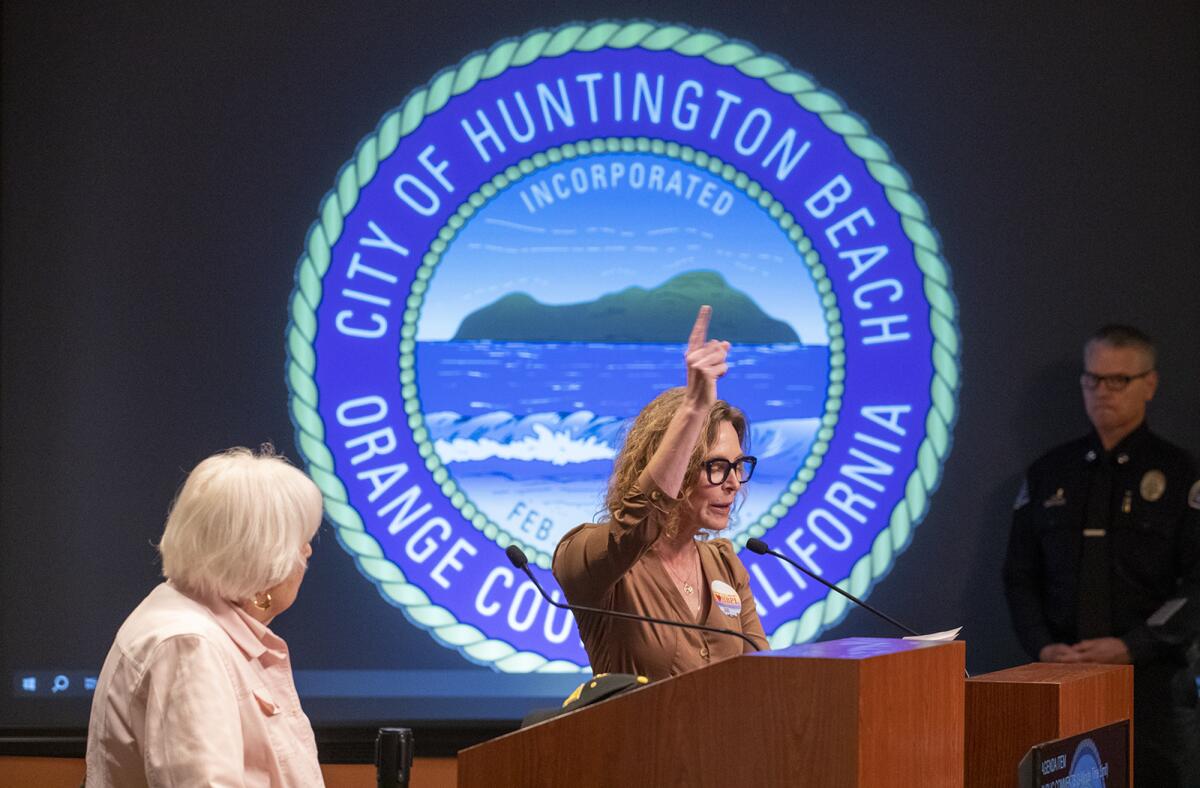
(529, 430)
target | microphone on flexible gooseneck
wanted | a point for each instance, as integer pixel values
(760, 547)
(518, 559)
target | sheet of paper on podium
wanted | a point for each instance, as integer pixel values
(937, 637)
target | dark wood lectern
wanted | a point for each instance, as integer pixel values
(854, 712)
(1011, 710)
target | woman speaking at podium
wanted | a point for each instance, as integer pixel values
(677, 475)
(196, 690)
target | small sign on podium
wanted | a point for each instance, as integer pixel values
(1097, 758)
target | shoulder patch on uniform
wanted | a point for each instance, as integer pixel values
(1194, 495)
(1022, 495)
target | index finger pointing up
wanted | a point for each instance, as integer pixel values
(700, 330)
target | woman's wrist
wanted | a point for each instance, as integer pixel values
(693, 407)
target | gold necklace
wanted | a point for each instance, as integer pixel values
(684, 582)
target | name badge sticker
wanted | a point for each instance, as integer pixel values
(726, 598)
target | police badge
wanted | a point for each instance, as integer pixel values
(1154, 484)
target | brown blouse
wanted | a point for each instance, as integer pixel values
(610, 565)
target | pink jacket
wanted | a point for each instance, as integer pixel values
(196, 692)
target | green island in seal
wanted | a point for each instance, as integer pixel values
(632, 315)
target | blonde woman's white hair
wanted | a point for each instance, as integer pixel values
(238, 524)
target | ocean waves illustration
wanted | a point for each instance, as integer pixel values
(582, 444)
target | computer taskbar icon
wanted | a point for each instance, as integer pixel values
(58, 683)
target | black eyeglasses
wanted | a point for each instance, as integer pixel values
(1091, 381)
(718, 470)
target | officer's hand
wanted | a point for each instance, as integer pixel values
(1111, 651)
(1058, 652)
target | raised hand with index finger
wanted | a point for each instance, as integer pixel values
(705, 361)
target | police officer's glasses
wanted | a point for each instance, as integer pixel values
(718, 470)
(1092, 382)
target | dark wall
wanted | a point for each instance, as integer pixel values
(161, 166)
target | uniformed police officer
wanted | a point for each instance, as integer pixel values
(1105, 534)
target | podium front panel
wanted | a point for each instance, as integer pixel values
(856, 712)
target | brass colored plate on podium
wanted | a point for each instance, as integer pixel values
(847, 713)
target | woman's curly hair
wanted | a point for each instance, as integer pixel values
(646, 434)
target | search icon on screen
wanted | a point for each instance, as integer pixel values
(61, 683)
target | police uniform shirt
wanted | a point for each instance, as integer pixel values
(1125, 522)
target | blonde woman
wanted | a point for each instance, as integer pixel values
(677, 474)
(196, 689)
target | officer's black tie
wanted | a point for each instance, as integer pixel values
(1095, 599)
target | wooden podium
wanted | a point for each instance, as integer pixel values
(1011, 710)
(854, 712)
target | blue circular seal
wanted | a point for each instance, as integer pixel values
(505, 272)
(1088, 769)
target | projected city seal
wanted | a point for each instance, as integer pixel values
(504, 274)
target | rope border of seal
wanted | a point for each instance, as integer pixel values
(379, 145)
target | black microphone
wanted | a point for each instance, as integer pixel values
(760, 547)
(517, 556)
(393, 757)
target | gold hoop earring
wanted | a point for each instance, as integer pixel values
(263, 604)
